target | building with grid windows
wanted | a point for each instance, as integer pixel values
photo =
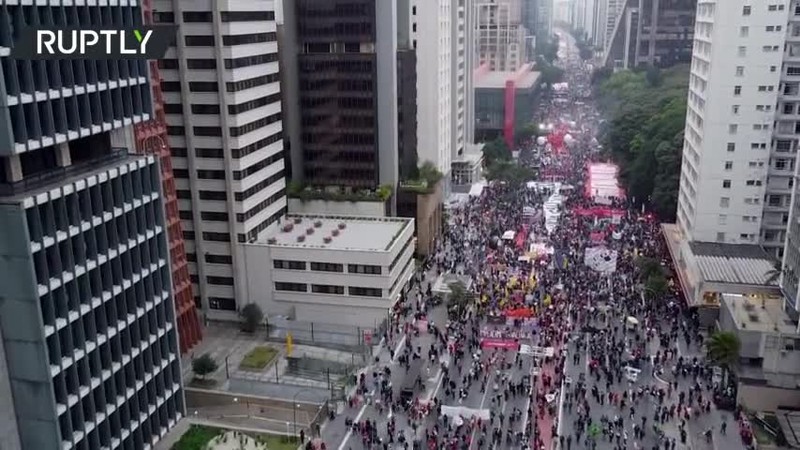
(90, 356)
(222, 100)
(338, 270)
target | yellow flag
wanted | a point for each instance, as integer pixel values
(289, 344)
(547, 300)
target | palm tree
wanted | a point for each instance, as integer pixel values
(773, 275)
(458, 298)
(722, 349)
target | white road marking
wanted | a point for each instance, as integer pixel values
(396, 352)
(350, 429)
(483, 400)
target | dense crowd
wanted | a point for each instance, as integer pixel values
(571, 313)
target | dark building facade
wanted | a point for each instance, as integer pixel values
(652, 32)
(343, 56)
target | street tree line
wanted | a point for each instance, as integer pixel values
(645, 110)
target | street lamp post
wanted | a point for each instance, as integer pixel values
(294, 410)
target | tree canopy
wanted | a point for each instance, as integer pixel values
(723, 348)
(549, 73)
(646, 110)
(496, 150)
(509, 172)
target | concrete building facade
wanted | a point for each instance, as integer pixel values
(340, 270)
(344, 127)
(738, 164)
(651, 32)
(432, 30)
(222, 100)
(90, 354)
(500, 37)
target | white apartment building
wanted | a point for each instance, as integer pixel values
(222, 97)
(463, 97)
(736, 175)
(499, 35)
(433, 32)
(337, 270)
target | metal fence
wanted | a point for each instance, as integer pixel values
(337, 337)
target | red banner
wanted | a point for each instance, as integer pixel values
(599, 211)
(500, 343)
(519, 313)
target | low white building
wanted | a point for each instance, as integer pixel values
(342, 270)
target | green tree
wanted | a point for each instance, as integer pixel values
(510, 173)
(656, 286)
(496, 150)
(722, 349)
(252, 316)
(203, 365)
(774, 275)
(525, 133)
(459, 298)
(548, 73)
(648, 267)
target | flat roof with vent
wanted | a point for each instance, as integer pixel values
(733, 263)
(764, 314)
(337, 232)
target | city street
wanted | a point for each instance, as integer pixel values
(555, 346)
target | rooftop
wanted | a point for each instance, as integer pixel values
(498, 79)
(337, 232)
(763, 314)
(733, 263)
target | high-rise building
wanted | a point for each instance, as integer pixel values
(500, 36)
(222, 100)
(342, 55)
(651, 32)
(432, 30)
(737, 171)
(152, 138)
(464, 63)
(91, 355)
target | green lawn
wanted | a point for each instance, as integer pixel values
(199, 436)
(196, 438)
(258, 358)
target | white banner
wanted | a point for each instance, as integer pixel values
(601, 259)
(467, 413)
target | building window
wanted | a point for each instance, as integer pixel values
(168, 64)
(205, 109)
(728, 165)
(746, 10)
(291, 287)
(173, 108)
(255, 125)
(722, 219)
(216, 237)
(364, 269)
(247, 61)
(213, 216)
(222, 303)
(180, 173)
(365, 291)
(744, 31)
(176, 131)
(199, 41)
(737, 90)
(251, 38)
(171, 86)
(258, 145)
(731, 146)
(288, 264)
(724, 202)
(220, 281)
(720, 237)
(327, 289)
(213, 195)
(739, 71)
(211, 174)
(726, 184)
(178, 152)
(235, 86)
(197, 16)
(732, 128)
(163, 17)
(201, 64)
(327, 267)
(246, 16)
(207, 131)
(218, 259)
(208, 152)
(203, 86)
(400, 254)
(253, 104)
(742, 51)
